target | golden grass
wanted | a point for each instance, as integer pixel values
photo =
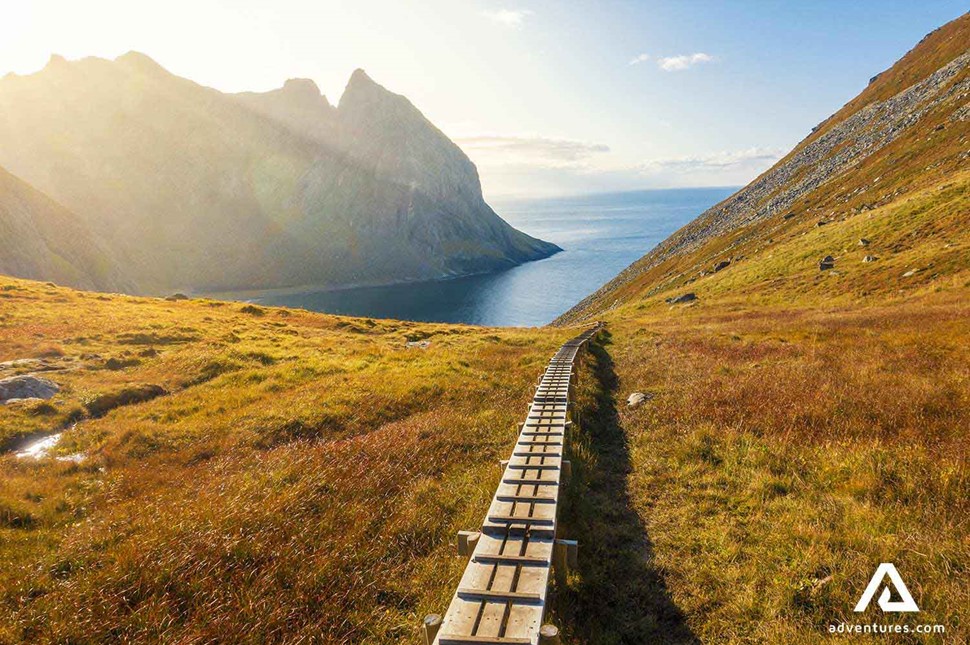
(302, 478)
(807, 425)
(789, 451)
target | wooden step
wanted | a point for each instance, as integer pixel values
(535, 453)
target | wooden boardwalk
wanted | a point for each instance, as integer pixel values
(502, 595)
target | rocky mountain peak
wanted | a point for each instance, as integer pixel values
(55, 61)
(363, 93)
(301, 87)
(141, 62)
(281, 186)
(303, 93)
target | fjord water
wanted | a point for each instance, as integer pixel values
(600, 235)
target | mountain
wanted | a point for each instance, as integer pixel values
(42, 240)
(906, 131)
(201, 190)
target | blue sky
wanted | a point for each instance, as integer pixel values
(546, 97)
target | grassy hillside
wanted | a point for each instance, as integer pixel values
(301, 476)
(807, 423)
(893, 140)
(804, 427)
(42, 240)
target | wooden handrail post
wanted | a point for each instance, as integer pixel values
(549, 635)
(467, 541)
(565, 556)
(432, 623)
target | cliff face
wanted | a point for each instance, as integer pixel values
(905, 131)
(40, 239)
(200, 190)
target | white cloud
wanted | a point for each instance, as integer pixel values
(508, 17)
(640, 58)
(718, 161)
(683, 61)
(529, 150)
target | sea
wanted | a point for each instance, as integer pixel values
(600, 234)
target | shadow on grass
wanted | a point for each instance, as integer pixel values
(617, 595)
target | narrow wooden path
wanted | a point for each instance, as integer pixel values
(501, 598)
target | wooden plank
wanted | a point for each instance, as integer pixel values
(453, 639)
(512, 559)
(532, 481)
(509, 596)
(525, 498)
(533, 466)
(520, 519)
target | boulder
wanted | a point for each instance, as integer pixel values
(870, 258)
(418, 344)
(638, 398)
(22, 363)
(687, 297)
(863, 242)
(826, 263)
(723, 264)
(26, 387)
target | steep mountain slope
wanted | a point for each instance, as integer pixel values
(908, 130)
(40, 239)
(203, 190)
(802, 353)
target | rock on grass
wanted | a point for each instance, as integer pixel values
(27, 387)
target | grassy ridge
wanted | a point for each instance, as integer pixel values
(302, 477)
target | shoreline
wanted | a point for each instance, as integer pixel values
(247, 295)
